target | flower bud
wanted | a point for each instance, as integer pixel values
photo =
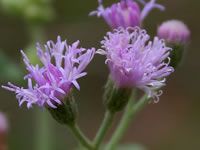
(174, 32)
(3, 131)
(177, 36)
(65, 113)
(115, 98)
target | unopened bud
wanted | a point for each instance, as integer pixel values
(177, 36)
(174, 32)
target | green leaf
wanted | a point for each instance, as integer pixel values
(131, 147)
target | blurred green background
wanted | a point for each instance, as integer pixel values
(172, 124)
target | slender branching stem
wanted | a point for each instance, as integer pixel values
(106, 124)
(131, 110)
(85, 142)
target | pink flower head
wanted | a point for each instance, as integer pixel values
(136, 62)
(174, 31)
(62, 66)
(125, 13)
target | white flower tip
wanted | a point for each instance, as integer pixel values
(38, 44)
(22, 52)
(93, 13)
(58, 38)
(75, 44)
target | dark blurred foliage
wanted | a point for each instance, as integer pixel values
(172, 124)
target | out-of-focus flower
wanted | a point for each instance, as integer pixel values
(3, 131)
(174, 32)
(63, 65)
(3, 123)
(177, 35)
(136, 63)
(126, 13)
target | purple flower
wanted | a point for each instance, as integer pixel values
(63, 65)
(126, 13)
(174, 31)
(136, 62)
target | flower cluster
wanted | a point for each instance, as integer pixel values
(126, 13)
(63, 65)
(135, 62)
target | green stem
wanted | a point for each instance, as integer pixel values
(43, 130)
(130, 112)
(108, 119)
(81, 137)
